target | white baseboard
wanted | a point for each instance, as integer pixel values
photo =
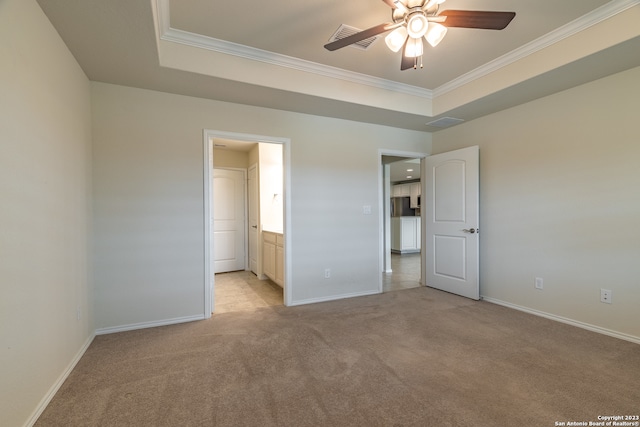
(333, 298)
(568, 321)
(56, 386)
(144, 325)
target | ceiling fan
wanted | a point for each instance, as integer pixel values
(414, 20)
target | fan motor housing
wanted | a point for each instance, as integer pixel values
(414, 6)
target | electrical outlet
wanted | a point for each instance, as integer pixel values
(327, 273)
(539, 283)
(605, 296)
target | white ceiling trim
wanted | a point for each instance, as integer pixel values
(598, 15)
(246, 52)
(162, 20)
(167, 33)
(418, 96)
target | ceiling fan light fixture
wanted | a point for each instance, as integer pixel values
(395, 39)
(417, 25)
(414, 48)
(435, 34)
(414, 17)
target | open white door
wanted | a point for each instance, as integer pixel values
(252, 188)
(451, 221)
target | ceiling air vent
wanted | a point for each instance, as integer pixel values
(445, 122)
(346, 30)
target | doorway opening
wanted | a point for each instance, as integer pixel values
(402, 189)
(449, 219)
(246, 183)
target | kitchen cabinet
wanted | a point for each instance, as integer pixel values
(405, 234)
(273, 256)
(401, 190)
(414, 194)
(411, 190)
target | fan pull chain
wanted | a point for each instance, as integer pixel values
(415, 63)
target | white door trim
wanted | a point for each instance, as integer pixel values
(382, 217)
(209, 279)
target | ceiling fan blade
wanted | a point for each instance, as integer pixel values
(407, 62)
(477, 19)
(362, 35)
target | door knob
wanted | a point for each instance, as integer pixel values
(469, 230)
(254, 226)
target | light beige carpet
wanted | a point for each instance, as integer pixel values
(418, 357)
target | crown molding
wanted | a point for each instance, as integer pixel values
(592, 18)
(173, 35)
(167, 33)
(229, 48)
(162, 17)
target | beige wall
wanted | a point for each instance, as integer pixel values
(148, 192)
(230, 159)
(45, 180)
(559, 180)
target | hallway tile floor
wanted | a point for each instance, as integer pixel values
(243, 291)
(405, 273)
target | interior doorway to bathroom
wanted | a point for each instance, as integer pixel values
(257, 159)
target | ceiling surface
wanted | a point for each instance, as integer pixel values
(271, 54)
(402, 169)
(301, 28)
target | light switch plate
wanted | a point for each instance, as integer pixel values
(539, 283)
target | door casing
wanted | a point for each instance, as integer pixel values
(209, 277)
(385, 220)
